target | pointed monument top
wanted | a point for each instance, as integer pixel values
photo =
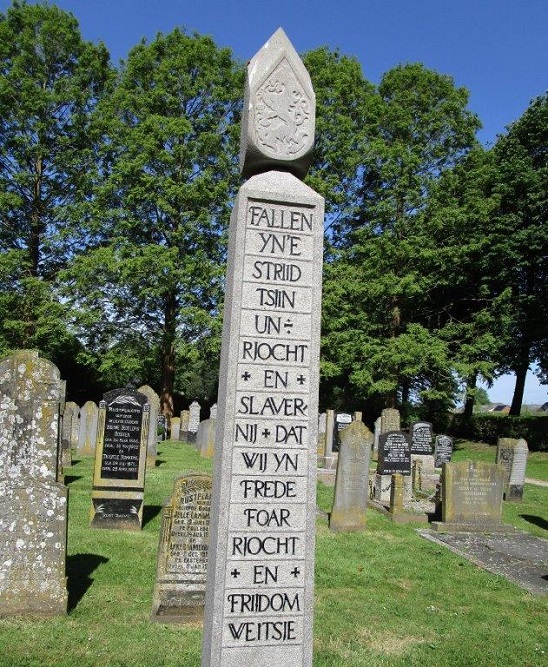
(279, 111)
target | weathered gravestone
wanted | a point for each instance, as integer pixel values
(179, 592)
(213, 411)
(422, 438)
(342, 420)
(422, 456)
(443, 450)
(512, 455)
(175, 428)
(185, 416)
(390, 420)
(33, 505)
(66, 433)
(207, 438)
(322, 423)
(75, 430)
(87, 436)
(394, 457)
(377, 435)
(352, 481)
(193, 421)
(259, 598)
(153, 412)
(330, 459)
(119, 476)
(471, 498)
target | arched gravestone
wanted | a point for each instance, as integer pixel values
(119, 476)
(179, 592)
(33, 505)
(443, 451)
(193, 421)
(352, 481)
(259, 598)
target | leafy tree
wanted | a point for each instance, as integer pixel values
(153, 286)
(520, 243)
(50, 80)
(380, 332)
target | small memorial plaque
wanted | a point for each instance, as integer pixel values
(179, 592)
(342, 420)
(394, 453)
(443, 450)
(421, 438)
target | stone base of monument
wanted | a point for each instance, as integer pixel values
(514, 494)
(177, 602)
(383, 488)
(151, 462)
(118, 511)
(347, 520)
(330, 461)
(407, 516)
(327, 476)
(471, 527)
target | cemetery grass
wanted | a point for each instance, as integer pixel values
(385, 597)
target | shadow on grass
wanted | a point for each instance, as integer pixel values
(79, 569)
(71, 478)
(536, 520)
(158, 463)
(150, 512)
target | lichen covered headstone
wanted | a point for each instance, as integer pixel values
(33, 504)
(179, 592)
(352, 481)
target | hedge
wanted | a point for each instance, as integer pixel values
(490, 427)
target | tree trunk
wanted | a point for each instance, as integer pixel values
(168, 355)
(471, 383)
(521, 373)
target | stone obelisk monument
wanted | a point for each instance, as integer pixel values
(259, 597)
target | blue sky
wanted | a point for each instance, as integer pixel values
(497, 49)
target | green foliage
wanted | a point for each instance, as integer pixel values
(486, 427)
(519, 246)
(152, 287)
(50, 80)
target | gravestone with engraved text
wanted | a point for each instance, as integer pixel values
(352, 481)
(471, 497)
(179, 592)
(119, 475)
(443, 450)
(259, 600)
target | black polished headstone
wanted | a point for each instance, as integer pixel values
(394, 454)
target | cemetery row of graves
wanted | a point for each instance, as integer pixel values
(118, 441)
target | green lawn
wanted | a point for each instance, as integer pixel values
(385, 597)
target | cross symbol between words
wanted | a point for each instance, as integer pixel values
(235, 573)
